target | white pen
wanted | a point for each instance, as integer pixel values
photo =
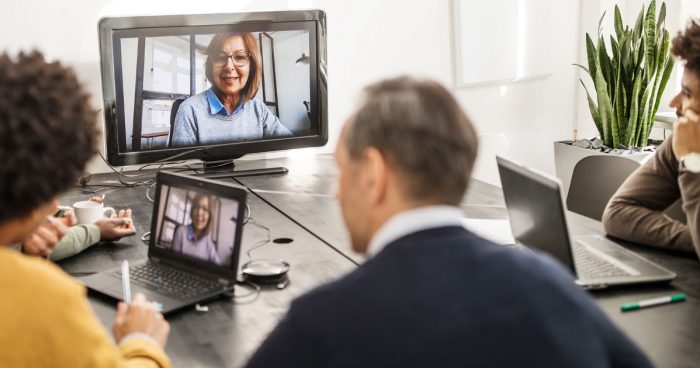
(126, 282)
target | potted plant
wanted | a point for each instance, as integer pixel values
(629, 75)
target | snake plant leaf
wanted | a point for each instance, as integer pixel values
(640, 140)
(592, 54)
(600, 24)
(632, 122)
(662, 18)
(650, 36)
(627, 84)
(605, 109)
(639, 57)
(618, 125)
(657, 90)
(638, 25)
(594, 110)
(584, 69)
(619, 30)
(624, 49)
(605, 65)
(626, 55)
(662, 86)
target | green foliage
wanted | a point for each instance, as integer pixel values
(628, 82)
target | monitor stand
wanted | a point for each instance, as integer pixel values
(231, 168)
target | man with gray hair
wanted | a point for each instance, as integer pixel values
(432, 293)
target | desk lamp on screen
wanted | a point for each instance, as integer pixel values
(213, 87)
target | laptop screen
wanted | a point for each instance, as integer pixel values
(535, 210)
(196, 223)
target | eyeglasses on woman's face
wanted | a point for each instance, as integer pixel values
(239, 59)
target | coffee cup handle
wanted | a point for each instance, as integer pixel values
(109, 210)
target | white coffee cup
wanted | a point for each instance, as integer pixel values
(88, 212)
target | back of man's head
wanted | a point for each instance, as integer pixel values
(423, 133)
(686, 45)
(47, 132)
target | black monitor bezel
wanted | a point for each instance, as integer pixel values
(312, 20)
(211, 187)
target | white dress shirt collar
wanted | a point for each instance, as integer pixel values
(411, 221)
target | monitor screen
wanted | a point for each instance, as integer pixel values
(196, 224)
(213, 86)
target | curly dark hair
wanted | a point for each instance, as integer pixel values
(48, 132)
(686, 45)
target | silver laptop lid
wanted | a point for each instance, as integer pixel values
(536, 210)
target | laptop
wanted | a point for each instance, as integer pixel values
(537, 216)
(194, 244)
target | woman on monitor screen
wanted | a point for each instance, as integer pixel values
(228, 111)
(194, 239)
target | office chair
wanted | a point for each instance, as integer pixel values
(173, 113)
(594, 181)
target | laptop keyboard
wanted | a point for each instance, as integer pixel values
(170, 281)
(592, 266)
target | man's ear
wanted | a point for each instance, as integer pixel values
(375, 171)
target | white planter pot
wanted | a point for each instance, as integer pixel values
(567, 156)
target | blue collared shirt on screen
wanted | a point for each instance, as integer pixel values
(216, 107)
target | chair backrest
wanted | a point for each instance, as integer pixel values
(594, 181)
(173, 113)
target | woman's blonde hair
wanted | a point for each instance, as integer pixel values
(254, 76)
(195, 204)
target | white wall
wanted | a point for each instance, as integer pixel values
(529, 115)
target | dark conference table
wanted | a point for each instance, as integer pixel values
(301, 205)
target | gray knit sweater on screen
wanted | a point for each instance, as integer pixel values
(196, 125)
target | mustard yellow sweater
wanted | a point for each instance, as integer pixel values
(46, 321)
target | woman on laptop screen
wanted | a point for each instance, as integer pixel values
(228, 111)
(195, 239)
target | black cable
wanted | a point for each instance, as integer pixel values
(296, 222)
(169, 158)
(148, 190)
(260, 243)
(179, 167)
(254, 292)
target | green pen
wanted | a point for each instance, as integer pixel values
(652, 302)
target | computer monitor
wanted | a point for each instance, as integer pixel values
(213, 86)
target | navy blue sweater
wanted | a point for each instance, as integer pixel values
(446, 298)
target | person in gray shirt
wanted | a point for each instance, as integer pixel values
(228, 111)
(195, 239)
